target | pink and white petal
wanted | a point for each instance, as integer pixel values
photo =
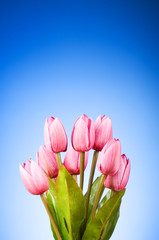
(47, 135)
(91, 134)
(108, 131)
(103, 118)
(85, 118)
(97, 122)
(108, 144)
(126, 175)
(80, 136)
(27, 166)
(50, 121)
(58, 136)
(71, 160)
(116, 157)
(27, 181)
(41, 159)
(108, 182)
(51, 163)
(39, 178)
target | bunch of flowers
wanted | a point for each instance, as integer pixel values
(72, 214)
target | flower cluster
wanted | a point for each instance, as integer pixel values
(86, 135)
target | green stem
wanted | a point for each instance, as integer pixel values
(112, 193)
(53, 180)
(58, 159)
(50, 216)
(75, 177)
(97, 196)
(82, 157)
(94, 161)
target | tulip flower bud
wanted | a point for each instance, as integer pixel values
(34, 178)
(118, 181)
(72, 161)
(47, 161)
(110, 157)
(55, 137)
(103, 132)
(83, 134)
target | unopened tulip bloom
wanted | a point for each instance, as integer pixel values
(118, 181)
(46, 159)
(72, 161)
(55, 137)
(83, 134)
(103, 132)
(34, 178)
(110, 157)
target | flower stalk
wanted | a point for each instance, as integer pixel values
(58, 159)
(94, 161)
(50, 216)
(97, 196)
(82, 157)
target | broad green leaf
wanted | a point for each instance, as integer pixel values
(57, 215)
(52, 186)
(105, 199)
(96, 226)
(108, 230)
(71, 202)
(61, 223)
(93, 193)
(52, 209)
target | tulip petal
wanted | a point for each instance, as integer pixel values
(27, 166)
(125, 175)
(80, 136)
(47, 134)
(98, 122)
(58, 136)
(39, 178)
(27, 181)
(71, 161)
(49, 162)
(110, 158)
(91, 134)
(116, 161)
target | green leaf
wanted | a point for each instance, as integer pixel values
(56, 213)
(109, 228)
(71, 202)
(92, 194)
(96, 226)
(53, 211)
(105, 199)
(52, 186)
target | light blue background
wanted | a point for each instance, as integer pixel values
(69, 58)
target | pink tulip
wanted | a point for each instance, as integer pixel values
(47, 161)
(83, 134)
(103, 132)
(54, 135)
(120, 179)
(72, 161)
(34, 178)
(110, 157)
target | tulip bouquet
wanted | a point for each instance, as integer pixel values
(74, 215)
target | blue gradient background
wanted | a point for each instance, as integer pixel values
(69, 58)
